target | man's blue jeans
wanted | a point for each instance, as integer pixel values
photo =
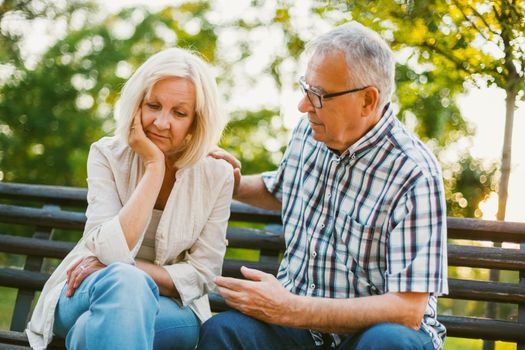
(119, 307)
(232, 330)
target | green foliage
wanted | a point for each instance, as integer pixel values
(473, 344)
(258, 139)
(468, 183)
(7, 305)
(52, 113)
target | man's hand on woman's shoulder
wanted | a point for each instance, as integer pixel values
(219, 153)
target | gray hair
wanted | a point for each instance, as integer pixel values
(368, 57)
(209, 120)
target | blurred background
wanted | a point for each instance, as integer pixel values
(460, 87)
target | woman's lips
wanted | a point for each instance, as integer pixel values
(157, 136)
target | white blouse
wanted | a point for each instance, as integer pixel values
(190, 239)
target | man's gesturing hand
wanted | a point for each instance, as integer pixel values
(261, 297)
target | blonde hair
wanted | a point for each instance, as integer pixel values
(209, 121)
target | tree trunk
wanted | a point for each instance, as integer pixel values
(506, 153)
(503, 188)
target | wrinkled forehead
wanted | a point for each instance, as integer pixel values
(327, 66)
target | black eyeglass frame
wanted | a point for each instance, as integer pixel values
(305, 88)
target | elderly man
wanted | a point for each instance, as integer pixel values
(364, 214)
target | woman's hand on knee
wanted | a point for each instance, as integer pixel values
(80, 270)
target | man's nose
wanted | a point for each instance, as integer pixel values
(305, 105)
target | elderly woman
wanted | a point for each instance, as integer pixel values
(156, 220)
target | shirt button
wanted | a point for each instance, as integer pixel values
(329, 195)
(322, 225)
(157, 262)
(312, 286)
(353, 156)
(314, 254)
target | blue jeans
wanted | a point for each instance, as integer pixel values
(232, 330)
(119, 307)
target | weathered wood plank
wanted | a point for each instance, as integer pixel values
(486, 291)
(477, 328)
(485, 230)
(486, 257)
(41, 217)
(60, 195)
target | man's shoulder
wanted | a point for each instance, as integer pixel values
(413, 152)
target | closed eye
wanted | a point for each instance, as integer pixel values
(153, 106)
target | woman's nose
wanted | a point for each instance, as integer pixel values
(162, 121)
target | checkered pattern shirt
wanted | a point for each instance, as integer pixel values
(369, 221)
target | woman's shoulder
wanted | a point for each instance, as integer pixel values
(111, 146)
(214, 169)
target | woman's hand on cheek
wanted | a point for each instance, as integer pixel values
(140, 143)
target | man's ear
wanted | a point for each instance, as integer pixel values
(370, 101)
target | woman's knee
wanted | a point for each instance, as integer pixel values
(122, 278)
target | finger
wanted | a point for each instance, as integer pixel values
(228, 294)
(80, 275)
(253, 274)
(219, 153)
(74, 266)
(232, 160)
(136, 124)
(236, 179)
(231, 283)
(70, 282)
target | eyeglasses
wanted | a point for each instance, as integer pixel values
(316, 99)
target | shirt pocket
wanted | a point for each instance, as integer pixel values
(358, 246)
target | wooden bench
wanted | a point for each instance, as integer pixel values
(48, 212)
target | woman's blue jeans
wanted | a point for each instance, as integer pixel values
(232, 330)
(119, 307)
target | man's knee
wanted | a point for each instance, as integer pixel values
(224, 322)
(391, 336)
(226, 331)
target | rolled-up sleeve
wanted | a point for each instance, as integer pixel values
(417, 245)
(103, 233)
(193, 276)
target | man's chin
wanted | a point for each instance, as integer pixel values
(318, 136)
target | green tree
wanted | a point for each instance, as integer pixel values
(53, 112)
(479, 40)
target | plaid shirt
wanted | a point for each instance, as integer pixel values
(367, 222)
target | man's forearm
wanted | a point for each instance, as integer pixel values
(252, 191)
(350, 315)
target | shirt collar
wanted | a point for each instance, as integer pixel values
(378, 132)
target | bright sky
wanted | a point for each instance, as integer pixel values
(484, 108)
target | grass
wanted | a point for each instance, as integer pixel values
(473, 344)
(7, 304)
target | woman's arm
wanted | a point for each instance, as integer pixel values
(193, 276)
(135, 213)
(113, 228)
(161, 277)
